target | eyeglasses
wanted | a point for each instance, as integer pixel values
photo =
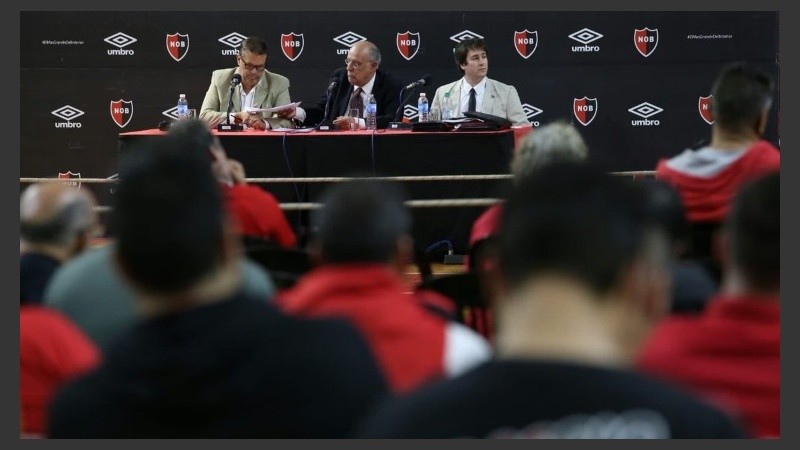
(356, 65)
(249, 66)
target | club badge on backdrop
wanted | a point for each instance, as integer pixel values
(177, 45)
(646, 40)
(526, 42)
(408, 44)
(121, 112)
(585, 109)
(292, 45)
(704, 107)
(69, 175)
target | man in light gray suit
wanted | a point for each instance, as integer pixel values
(259, 88)
(475, 91)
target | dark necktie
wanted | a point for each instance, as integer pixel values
(355, 102)
(471, 105)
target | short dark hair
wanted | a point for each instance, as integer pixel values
(754, 224)
(169, 217)
(574, 220)
(254, 45)
(463, 47)
(193, 135)
(361, 221)
(740, 94)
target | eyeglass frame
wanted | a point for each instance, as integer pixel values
(356, 64)
(248, 66)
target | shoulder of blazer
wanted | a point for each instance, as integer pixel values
(223, 75)
(274, 79)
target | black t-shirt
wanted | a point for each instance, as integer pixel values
(237, 368)
(528, 399)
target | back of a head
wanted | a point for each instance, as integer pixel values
(755, 233)
(54, 214)
(573, 220)
(168, 215)
(361, 221)
(666, 207)
(741, 93)
(552, 143)
(192, 135)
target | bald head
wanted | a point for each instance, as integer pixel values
(55, 215)
(364, 58)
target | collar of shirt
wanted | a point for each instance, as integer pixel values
(480, 88)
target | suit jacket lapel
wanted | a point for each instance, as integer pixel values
(489, 97)
(262, 90)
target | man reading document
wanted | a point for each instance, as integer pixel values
(259, 89)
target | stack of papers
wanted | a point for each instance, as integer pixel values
(252, 109)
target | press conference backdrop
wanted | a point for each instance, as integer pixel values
(636, 84)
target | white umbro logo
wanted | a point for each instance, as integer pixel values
(530, 110)
(172, 113)
(411, 112)
(120, 40)
(466, 34)
(67, 113)
(645, 110)
(585, 36)
(349, 38)
(233, 39)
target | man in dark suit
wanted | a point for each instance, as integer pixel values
(361, 76)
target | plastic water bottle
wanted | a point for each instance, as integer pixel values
(422, 107)
(372, 113)
(182, 111)
(447, 107)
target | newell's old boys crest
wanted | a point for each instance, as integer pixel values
(292, 45)
(121, 112)
(645, 40)
(177, 45)
(408, 44)
(585, 109)
(70, 176)
(704, 107)
(525, 42)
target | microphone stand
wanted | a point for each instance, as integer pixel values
(228, 126)
(327, 125)
(399, 124)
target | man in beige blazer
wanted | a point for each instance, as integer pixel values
(259, 88)
(490, 97)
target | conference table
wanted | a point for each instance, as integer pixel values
(384, 153)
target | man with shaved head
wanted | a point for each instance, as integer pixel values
(56, 222)
(352, 85)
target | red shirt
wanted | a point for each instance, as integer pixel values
(257, 213)
(707, 198)
(408, 341)
(730, 354)
(51, 351)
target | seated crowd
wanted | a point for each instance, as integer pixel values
(620, 308)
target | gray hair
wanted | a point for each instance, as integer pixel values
(554, 142)
(73, 216)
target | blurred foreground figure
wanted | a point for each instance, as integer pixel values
(207, 360)
(585, 274)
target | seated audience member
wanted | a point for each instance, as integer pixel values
(692, 283)
(731, 354)
(259, 88)
(360, 77)
(707, 178)
(52, 351)
(89, 291)
(477, 92)
(207, 360)
(256, 211)
(363, 244)
(586, 274)
(554, 142)
(56, 223)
